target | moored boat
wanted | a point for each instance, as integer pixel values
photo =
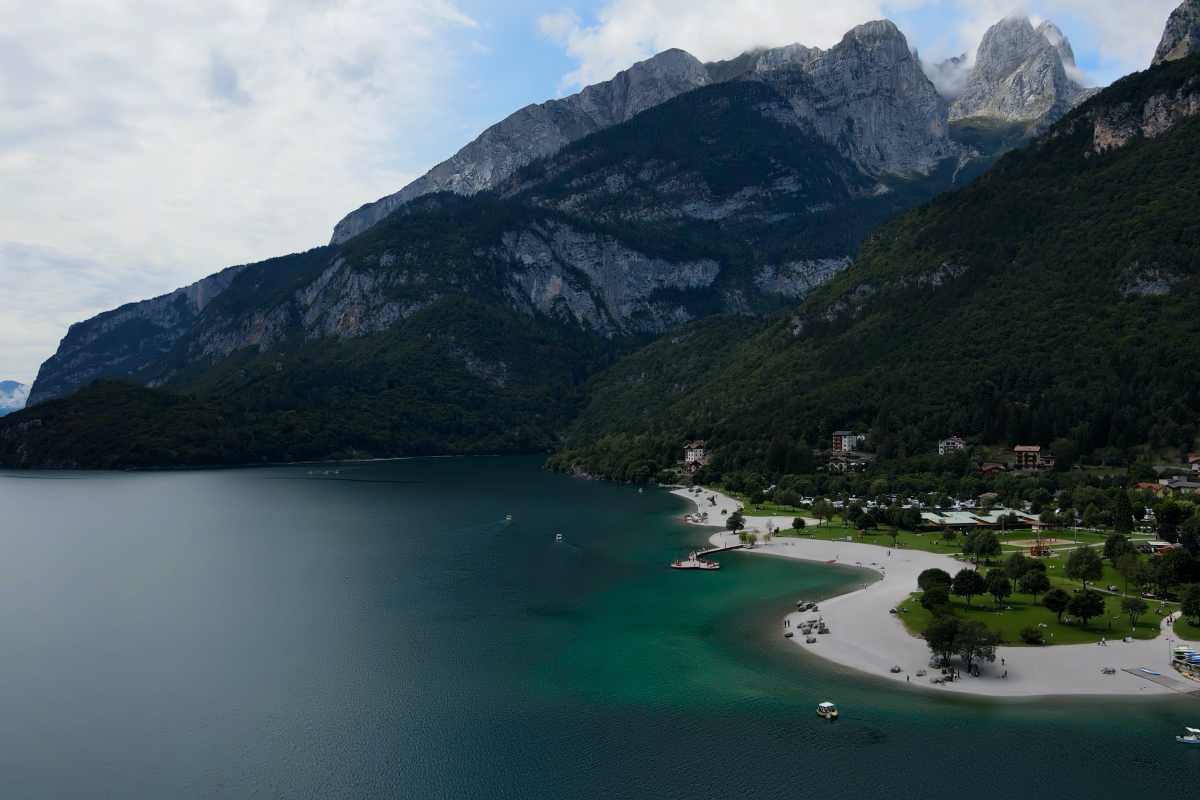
(1191, 737)
(827, 710)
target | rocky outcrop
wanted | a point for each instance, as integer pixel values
(796, 279)
(1021, 74)
(1181, 38)
(541, 130)
(1116, 126)
(124, 341)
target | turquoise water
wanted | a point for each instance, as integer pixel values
(383, 632)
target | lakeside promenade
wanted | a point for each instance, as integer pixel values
(866, 637)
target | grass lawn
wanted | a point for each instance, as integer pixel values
(769, 509)
(929, 542)
(1186, 630)
(1023, 613)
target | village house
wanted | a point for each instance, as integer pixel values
(951, 445)
(695, 455)
(991, 468)
(1027, 456)
(1194, 462)
(1180, 485)
(847, 441)
(1030, 456)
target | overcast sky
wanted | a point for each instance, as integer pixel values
(146, 145)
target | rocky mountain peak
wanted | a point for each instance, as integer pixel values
(1005, 46)
(1059, 41)
(1021, 74)
(1181, 38)
(869, 97)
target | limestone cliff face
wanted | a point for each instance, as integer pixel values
(541, 130)
(868, 97)
(1021, 74)
(1181, 38)
(124, 341)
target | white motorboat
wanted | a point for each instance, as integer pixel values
(827, 710)
(1191, 737)
(558, 537)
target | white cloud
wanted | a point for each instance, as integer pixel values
(44, 291)
(624, 31)
(1120, 34)
(149, 144)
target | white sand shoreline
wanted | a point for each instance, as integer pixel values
(866, 637)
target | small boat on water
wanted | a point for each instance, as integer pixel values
(558, 537)
(827, 710)
(508, 517)
(1192, 736)
(693, 561)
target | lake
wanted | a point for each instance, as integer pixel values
(382, 632)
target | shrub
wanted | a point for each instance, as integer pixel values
(1031, 634)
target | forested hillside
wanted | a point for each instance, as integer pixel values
(1057, 297)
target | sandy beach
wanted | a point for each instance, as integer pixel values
(866, 637)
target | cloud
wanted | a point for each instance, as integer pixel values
(44, 291)
(1121, 35)
(624, 31)
(159, 142)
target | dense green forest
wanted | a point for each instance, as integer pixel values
(412, 390)
(1054, 299)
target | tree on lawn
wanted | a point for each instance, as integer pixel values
(1086, 604)
(932, 577)
(975, 642)
(1134, 607)
(823, 510)
(894, 532)
(934, 598)
(1057, 601)
(968, 583)
(1115, 546)
(1191, 603)
(798, 524)
(1123, 512)
(998, 586)
(1034, 582)
(735, 521)
(1017, 565)
(1129, 567)
(981, 544)
(942, 635)
(1084, 564)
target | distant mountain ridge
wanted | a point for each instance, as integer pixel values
(913, 141)
(12, 396)
(853, 115)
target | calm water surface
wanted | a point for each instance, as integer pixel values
(383, 633)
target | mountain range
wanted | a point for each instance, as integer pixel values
(501, 300)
